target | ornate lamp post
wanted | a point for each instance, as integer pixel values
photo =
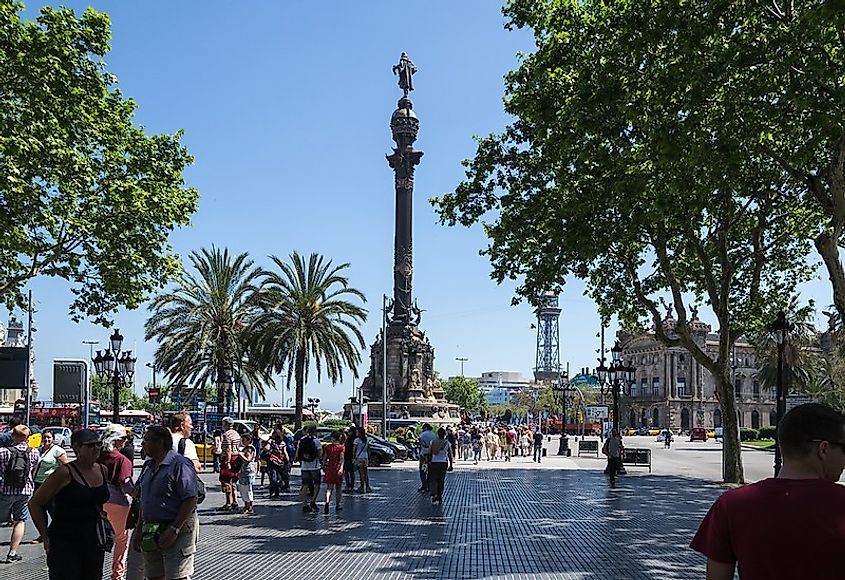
(313, 404)
(780, 329)
(621, 376)
(561, 387)
(118, 367)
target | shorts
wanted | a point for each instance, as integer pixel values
(246, 492)
(178, 560)
(311, 477)
(14, 507)
(362, 462)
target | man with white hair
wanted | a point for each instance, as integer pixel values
(181, 427)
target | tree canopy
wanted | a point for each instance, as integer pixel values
(309, 316)
(85, 194)
(629, 164)
(466, 393)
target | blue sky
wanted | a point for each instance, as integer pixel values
(285, 106)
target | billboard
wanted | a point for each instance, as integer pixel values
(69, 380)
(13, 367)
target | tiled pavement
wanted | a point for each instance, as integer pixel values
(519, 522)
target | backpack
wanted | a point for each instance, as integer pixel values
(200, 485)
(17, 469)
(307, 449)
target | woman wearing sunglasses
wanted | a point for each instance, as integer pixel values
(78, 491)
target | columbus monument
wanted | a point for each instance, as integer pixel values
(413, 391)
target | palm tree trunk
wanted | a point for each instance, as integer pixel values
(300, 385)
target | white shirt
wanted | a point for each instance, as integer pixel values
(312, 465)
(190, 448)
(361, 450)
(442, 456)
(426, 439)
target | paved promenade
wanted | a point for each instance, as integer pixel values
(498, 520)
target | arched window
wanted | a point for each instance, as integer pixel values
(755, 419)
(644, 418)
(655, 417)
(632, 419)
(717, 418)
(685, 422)
(773, 418)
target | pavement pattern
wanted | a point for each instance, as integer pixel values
(498, 520)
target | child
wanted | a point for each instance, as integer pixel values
(246, 477)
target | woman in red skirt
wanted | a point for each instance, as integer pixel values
(333, 469)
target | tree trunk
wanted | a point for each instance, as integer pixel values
(733, 472)
(828, 247)
(300, 386)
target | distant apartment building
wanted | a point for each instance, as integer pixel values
(499, 386)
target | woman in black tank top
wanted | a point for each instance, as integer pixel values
(78, 491)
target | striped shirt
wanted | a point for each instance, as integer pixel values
(29, 484)
(231, 442)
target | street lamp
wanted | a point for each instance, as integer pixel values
(780, 329)
(313, 404)
(620, 375)
(117, 366)
(562, 387)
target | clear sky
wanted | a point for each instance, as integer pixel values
(285, 106)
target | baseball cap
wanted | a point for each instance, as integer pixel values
(228, 420)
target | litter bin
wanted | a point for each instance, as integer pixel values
(544, 451)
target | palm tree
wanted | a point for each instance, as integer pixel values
(200, 326)
(307, 318)
(798, 355)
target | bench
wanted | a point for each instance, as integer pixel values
(588, 446)
(634, 456)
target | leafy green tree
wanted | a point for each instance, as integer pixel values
(465, 393)
(85, 194)
(307, 318)
(201, 325)
(622, 158)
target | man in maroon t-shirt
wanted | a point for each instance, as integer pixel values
(791, 526)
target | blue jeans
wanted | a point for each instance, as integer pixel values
(348, 474)
(538, 453)
(275, 473)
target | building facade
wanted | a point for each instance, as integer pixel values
(673, 390)
(500, 386)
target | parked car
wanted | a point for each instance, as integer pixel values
(717, 433)
(400, 451)
(698, 434)
(61, 435)
(245, 426)
(380, 452)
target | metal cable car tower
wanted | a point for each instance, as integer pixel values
(547, 367)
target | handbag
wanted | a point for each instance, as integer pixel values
(105, 533)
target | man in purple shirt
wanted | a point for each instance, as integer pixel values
(168, 509)
(17, 468)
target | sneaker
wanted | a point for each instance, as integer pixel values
(13, 558)
(306, 509)
(225, 508)
(314, 507)
(369, 490)
(338, 508)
